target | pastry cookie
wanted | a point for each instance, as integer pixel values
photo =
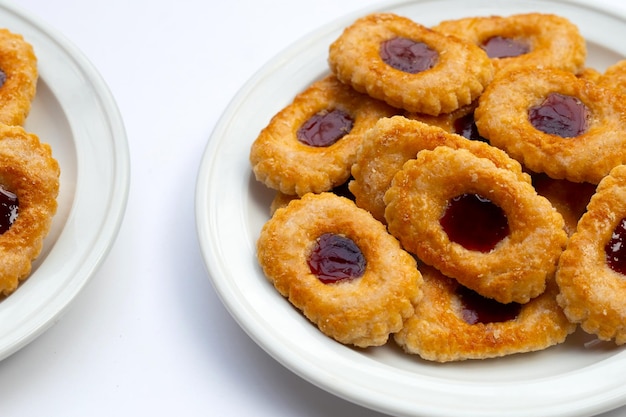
(340, 267)
(393, 141)
(554, 122)
(18, 77)
(29, 184)
(452, 323)
(310, 145)
(395, 59)
(475, 222)
(591, 273)
(520, 40)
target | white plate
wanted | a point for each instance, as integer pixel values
(74, 112)
(575, 379)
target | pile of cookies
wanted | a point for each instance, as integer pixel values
(29, 175)
(452, 187)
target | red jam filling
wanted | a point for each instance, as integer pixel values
(8, 209)
(466, 127)
(478, 309)
(3, 77)
(325, 128)
(408, 56)
(560, 115)
(474, 222)
(615, 249)
(336, 258)
(501, 47)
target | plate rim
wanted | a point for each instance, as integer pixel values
(106, 229)
(211, 254)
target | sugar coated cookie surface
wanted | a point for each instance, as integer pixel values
(591, 273)
(521, 40)
(30, 174)
(395, 59)
(453, 323)
(475, 222)
(340, 267)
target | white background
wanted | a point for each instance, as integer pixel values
(148, 335)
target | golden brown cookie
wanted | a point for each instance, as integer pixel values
(530, 39)
(310, 145)
(395, 59)
(29, 184)
(302, 250)
(554, 122)
(591, 272)
(475, 222)
(452, 323)
(18, 77)
(392, 142)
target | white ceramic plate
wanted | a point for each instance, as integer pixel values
(74, 112)
(577, 378)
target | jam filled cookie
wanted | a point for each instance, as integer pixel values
(475, 222)
(29, 184)
(393, 141)
(592, 270)
(340, 267)
(18, 78)
(453, 323)
(310, 145)
(395, 59)
(533, 39)
(554, 122)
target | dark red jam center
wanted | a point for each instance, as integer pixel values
(466, 127)
(478, 309)
(336, 258)
(474, 222)
(501, 47)
(8, 209)
(3, 77)
(560, 115)
(325, 128)
(615, 249)
(406, 55)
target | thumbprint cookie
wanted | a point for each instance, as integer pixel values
(475, 222)
(29, 184)
(592, 270)
(310, 145)
(520, 40)
(400, 61)
(554, 122)
(454, 323)
(18, 77)
(340, 267)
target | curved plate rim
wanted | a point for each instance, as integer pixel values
(328, 369)
(92, 219)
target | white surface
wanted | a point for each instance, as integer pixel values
(148, 335)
